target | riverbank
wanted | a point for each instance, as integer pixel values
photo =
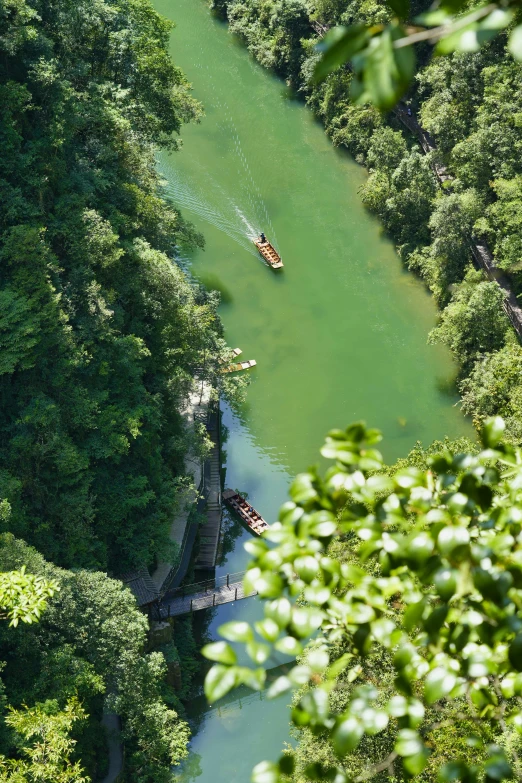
(431, 229)
(102, 334)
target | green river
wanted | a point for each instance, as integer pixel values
(339, 334)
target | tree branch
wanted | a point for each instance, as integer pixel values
(385, 764)
(436, 33)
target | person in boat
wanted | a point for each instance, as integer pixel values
(262, 237)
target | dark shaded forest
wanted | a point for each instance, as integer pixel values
(101, 334)
(100, 330)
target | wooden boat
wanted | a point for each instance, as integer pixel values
(269, 253)
(235, 353)
(244, 510)
(240, 366)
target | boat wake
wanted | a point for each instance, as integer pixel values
(241, 215)
(242, 224)
(232, 222)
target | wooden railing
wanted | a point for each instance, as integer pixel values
(203, 595)
(206, 586)
(179, 569)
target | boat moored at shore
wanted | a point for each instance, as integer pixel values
(252, 519)
(240, 366)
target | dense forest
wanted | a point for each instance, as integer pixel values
(100, 337)
(471, 104)
(100, 331)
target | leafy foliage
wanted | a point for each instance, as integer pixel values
(47, 744)
(100, 331)
(382, 56)
(272, 31)
(431, 591)
(89, 642)
(24, 596)
(474, 323)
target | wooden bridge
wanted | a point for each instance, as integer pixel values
(202, 595)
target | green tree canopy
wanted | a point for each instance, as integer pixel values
(101, 332)
(410, 583)
(88, 649)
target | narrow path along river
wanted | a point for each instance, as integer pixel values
(339, 334)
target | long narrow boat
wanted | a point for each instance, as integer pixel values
(269, 253)
(240, 366)
(235, 352)
(244, 510)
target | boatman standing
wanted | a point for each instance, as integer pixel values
(262, 237)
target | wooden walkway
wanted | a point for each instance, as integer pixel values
(484, 259)
(211, 530)
(203, 595)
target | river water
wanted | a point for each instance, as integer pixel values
(338, 335)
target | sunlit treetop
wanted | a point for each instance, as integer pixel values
(382, 56)
(23, 597)
(434, 586)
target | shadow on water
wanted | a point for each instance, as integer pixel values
(214, 283)
(291, 95)
(448, 385)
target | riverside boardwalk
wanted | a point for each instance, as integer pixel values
(202, 595)
(210, 531)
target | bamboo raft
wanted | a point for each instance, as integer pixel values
(244, 510)
(240, 366)
(269, 253)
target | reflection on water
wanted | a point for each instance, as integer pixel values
(243, 728)
(234, 702)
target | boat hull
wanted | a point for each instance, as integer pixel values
(248, 515)
(269, 253)
(240, 366)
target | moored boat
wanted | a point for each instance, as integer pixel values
(240, 366)
(268, 252)
(252, 519)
